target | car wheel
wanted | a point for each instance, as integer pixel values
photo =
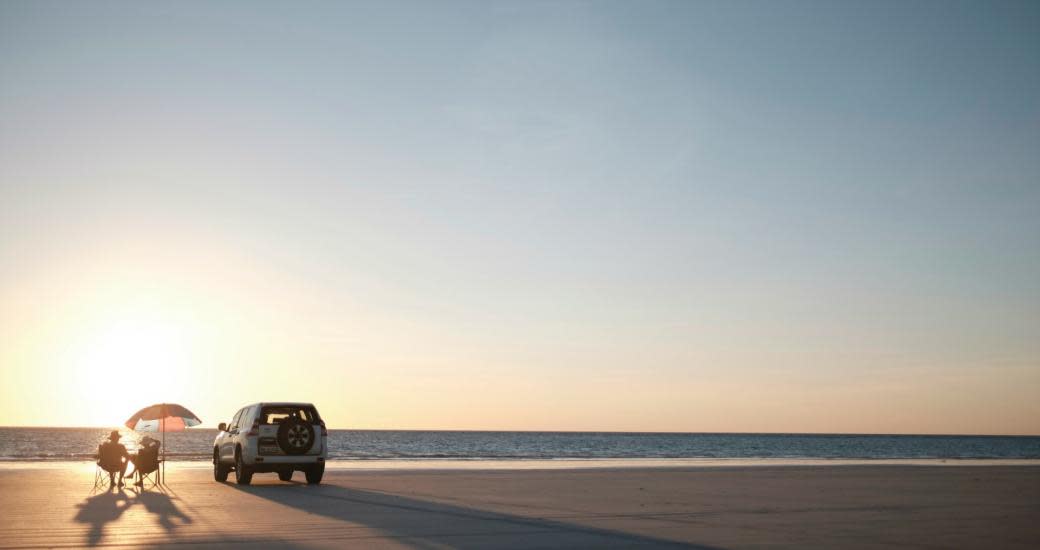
(295, 437)
(285, 475)
(243, 473)
(220, 471)
(314, 473)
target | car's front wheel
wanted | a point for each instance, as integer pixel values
(285, 475)
(315, 473)
(243, 473)
(220, 471)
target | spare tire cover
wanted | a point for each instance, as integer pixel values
(295, 437)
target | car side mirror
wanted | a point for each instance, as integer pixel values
(222, 427)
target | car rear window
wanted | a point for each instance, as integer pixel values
(276, 414)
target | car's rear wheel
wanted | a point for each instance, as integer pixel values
(220, 471)
(315, 473)
(285, 475)
(243, 473)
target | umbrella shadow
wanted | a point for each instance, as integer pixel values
(162, 506)
(100, 510)
(430, 524)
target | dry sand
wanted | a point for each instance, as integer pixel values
(742, 507)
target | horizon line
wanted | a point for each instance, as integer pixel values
(667, 432)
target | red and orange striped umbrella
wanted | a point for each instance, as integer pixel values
(162, 417)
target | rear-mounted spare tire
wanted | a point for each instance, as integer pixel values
(295, 437)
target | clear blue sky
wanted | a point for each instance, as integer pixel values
(720, 216)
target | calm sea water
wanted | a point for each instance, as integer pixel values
(80, 444)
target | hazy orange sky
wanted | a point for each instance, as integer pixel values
(607, 216)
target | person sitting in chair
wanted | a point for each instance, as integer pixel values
(112, 457)
(146, 460)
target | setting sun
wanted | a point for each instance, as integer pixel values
(126, 363)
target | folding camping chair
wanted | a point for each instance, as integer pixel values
(146, 466)
(105, 469)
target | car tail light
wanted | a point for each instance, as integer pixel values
(324, 430)
(255, 430)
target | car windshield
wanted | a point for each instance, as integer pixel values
(275, 415)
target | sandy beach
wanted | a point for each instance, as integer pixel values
(721, 507)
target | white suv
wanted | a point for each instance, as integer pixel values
(272, 437)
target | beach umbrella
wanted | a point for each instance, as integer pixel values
(162, 417)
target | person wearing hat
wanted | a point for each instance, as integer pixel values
(112, 457)
(146, 460)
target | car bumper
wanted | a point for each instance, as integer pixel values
(288, 459)
(279, 463)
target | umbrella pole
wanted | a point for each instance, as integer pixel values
(162, 478)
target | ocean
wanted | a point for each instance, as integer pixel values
(57, 444)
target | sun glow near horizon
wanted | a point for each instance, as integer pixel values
(214, 335)
(129, 362)
(96, 341)
(99, 356)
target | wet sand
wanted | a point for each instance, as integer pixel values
(721, 507)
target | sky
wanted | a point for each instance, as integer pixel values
(620, 216)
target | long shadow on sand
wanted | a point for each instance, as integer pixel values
(428, 524)
(103, 508)
(162, 507)
(100, 510)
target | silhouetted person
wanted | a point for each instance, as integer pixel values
(146, 460)
(112, 457)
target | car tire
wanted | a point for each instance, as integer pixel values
(220, 471)
(285, 475)
(295, 437)
(315, 473)
(243, 473)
